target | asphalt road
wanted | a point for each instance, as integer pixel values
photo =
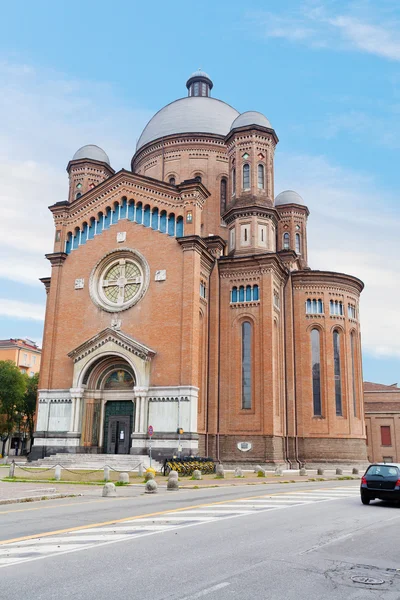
(302, 541)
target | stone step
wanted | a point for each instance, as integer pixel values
(96, 461)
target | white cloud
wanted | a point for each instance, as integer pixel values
(21, 310)
(335, 26)
(44, 119)
(352, 229)
(374, 39)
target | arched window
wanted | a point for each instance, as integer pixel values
(78, 195)
(246, 364)
(139, 213)
(163, 222)
(233, 181)
(246, 177)
(353, 369)
(234, 297)
(241, 293)
(260, 177)
(171, 180)
(298, 244)
(68, 243)
(171, 224)
(146, 216)
(198, 178)
(248, 293)
(123, 209)
(154, 219)
(286, 241)
(316, 371)
(337, 372)
(179, 227)
(131, 210)
(256, 293)
(223, 186)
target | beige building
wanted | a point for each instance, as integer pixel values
(24, 353)
(382, 421)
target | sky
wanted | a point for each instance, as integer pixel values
(325, 73)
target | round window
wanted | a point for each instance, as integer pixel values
(119, 280)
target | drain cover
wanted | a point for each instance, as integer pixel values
(367, 580)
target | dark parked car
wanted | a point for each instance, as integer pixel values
(382, 481)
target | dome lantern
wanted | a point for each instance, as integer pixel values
(199, 84)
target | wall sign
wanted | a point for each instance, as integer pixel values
(244, 446)
(79, 284)
(161, 275)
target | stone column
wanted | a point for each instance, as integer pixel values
(76, 396)
(101, 433)
(140, 394)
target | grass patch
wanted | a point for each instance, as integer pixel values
(120, 483)
(346, 478)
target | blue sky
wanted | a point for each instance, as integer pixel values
(326, 74)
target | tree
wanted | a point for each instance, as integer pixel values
(29, 403)
(12, 390)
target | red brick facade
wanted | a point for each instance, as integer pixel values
(216, 258)
(382, 421)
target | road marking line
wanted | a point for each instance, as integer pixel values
(187, 522)
(218, 511)
(131, 528)
(125, 519)
(173, 518)
(214, 588)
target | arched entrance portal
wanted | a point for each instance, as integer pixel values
(109, 405)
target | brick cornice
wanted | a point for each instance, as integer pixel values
(302, 279)
(196, 244)
(56, 258)
(233, 266)
(80, 162)
(46, 282)
(250, 207)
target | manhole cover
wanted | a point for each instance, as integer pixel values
(367, 580)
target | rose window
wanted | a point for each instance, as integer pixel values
(119, 280)
(122, 281)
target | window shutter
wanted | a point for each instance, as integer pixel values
(386, 439)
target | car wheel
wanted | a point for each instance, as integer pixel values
(365, 499)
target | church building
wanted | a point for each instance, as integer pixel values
(181, 298)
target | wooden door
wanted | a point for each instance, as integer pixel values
(118, 435)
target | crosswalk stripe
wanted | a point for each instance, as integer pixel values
(18, 552)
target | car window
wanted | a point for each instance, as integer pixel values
(383, 471)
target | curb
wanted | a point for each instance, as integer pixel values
(37, 498)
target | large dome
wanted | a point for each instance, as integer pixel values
(189, 115)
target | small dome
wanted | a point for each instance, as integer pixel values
(288, 197)
(93, 153)
(251, 117)
(199, 74)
